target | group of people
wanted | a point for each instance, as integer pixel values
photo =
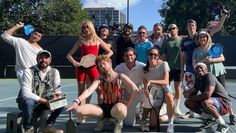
(124, 68)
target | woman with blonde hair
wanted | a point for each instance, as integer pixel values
(88, 43)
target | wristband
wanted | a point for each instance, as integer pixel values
(77, 101)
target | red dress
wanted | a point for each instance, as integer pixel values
(92, 72)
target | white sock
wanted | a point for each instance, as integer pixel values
(221, 120)
(176, 104)
(171, 120)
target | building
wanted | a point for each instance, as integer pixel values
(105, 15)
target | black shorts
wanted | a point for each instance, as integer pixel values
(175, 75)
(106, 108)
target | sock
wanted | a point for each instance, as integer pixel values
(171, 120)
(221, 120)
(176, 104)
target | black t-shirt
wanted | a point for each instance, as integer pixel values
(121, 44)
(210, 80)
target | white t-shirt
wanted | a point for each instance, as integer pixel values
(25, 52)
(27, 83)
(136, 74)
(157, 73)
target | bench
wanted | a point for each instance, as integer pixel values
(14, 122)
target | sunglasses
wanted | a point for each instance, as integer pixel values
(84, 27)
(153, 54)
(141, 33)
(171, 28)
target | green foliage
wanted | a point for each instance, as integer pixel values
(179, 11)
(55, 17)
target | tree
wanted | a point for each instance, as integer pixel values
(179, 11)
(55, 17)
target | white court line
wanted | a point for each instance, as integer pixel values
(5, 99)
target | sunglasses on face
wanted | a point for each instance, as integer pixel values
(153, 54)
(141, 33)
(170, 29)
(84, 27)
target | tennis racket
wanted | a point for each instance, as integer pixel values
(28, 29)
(88, 61)
(157, 95)
(156, 100)
(70, 124)
(188, 80)
(216, 50)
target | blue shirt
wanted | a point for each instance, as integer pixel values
(142, 50)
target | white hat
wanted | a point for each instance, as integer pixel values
(202, 33)
(200, 64)
(44, 52)
(172, 26)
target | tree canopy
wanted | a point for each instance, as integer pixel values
(55, 17)
(179, 11)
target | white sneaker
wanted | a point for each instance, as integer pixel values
(178, 112)
(170, 128)
(118, 127)
(144, 127)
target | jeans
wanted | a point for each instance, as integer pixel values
(32, 110)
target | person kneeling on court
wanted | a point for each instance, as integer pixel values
(112, 89)
(40, 84)
(212, 102)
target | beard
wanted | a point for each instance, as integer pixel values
(42, 65)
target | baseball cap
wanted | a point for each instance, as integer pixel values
(129, 25)
(104, 26)
(44, 52)
(172, 26)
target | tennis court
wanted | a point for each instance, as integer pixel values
(9, 89)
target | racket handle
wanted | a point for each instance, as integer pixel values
(70, 114)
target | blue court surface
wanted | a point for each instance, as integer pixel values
(9, 89)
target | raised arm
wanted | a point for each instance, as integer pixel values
(15, 28)
(220, 24)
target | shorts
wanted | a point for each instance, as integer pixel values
(175, 75)
(221, 105)
(92, 73)
(106, 108)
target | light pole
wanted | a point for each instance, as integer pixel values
(127, 11)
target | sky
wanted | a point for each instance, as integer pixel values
(141, 12)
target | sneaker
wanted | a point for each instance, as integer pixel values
(189, 114)
(170, 128)
(232, 119)
(118, 127)
(139, 116)
(30, 130)
(144, 127)
(100, 125)
(222, 128)
(178, 112)
(208, 123)
(80, 121)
